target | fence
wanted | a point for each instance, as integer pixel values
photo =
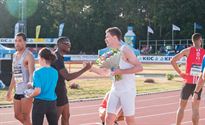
(157, 46)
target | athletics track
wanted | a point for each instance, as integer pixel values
(153, 109)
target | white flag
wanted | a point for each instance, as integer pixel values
(149, 29)
(174, 27)
(16, 29)
(61, 29)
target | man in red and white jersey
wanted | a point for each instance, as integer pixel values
(194, 56)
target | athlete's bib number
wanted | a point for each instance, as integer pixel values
(195, 70)
(18, 78)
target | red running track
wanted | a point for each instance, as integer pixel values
(155, 109)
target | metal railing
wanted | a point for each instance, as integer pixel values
(155, 46)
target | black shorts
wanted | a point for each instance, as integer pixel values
(61, 93)
(19, 96)
(187, 90)
(62, 100)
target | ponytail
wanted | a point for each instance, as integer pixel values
(47, 54)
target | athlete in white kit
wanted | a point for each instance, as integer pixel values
(123, 92)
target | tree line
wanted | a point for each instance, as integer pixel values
(86, 20)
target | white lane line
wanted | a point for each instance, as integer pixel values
(144, 100)
(166, 104)
(91, 113)
(84, 114)
(78, 107)
(7, 113)
(166, 113)
(160, 105)
(158, 98)
(9, 122)
(145, 116)
(139, 117)
(95, 123)
(203, 119)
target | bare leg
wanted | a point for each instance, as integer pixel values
(110, 119)
(59, 111)
(130, 120)
(17, 111)
(65, 112)
(195, 112)
(180, 111)
(102, 113)
(26, 105)
(65, 115)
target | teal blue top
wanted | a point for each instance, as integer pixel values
(46, 78)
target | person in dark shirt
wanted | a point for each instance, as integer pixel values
(63, 47)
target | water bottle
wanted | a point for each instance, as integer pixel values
(130, 37)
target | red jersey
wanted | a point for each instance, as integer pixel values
(193, 65)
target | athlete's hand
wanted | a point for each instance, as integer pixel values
(87, 65)
(102, 110)
(9, 96)
(195, 97)
(30, 85)
(183, 75)
(116, 72)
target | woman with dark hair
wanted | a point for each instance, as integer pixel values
(44, 82)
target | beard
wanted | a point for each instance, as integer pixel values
(66, 51)
(19, 48)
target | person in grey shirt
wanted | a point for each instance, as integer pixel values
(22, 73)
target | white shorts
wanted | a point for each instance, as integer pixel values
(124, 100)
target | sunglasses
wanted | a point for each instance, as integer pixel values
(66, 43)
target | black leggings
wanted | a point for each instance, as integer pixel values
(41, 108)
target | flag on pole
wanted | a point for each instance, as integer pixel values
(61, 26)
(176, 28)
(197, 26)
(16, 29)
(38, 28)
(149, 30)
